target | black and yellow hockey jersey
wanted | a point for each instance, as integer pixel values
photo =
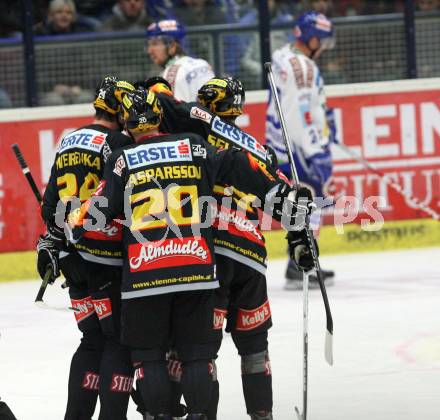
(238, 234)
(77, 172)
(164, 186)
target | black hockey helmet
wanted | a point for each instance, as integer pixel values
(224, 96)
(109, 93)
(141, 111)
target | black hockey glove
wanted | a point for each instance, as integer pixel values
(299, 249)
(299, 246)
(271, 156)
(58, 237)
(304, 200)
(292, 209)
(47, 257)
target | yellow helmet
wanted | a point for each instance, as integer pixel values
(109, 94)
(224, 96)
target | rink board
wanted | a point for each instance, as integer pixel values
(395, 125)
(393, 235)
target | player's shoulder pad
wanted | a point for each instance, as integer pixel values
(116, 140)
(198, 145)
(199, 112)
(116, 161)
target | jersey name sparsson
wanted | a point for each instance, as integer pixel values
(151, 154)
(239, 137)
(86, 138)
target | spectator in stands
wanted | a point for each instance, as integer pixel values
(94, 8)
(160, 9)
(199, 12)
(428, 5)
(5, 101)
(10, 19)
(127, 15)
(62, 20)
(65, 95)
(322, 6)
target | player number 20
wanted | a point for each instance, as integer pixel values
(150, 207)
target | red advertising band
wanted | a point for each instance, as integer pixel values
(411, 201)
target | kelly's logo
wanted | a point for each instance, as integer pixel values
(250, 319)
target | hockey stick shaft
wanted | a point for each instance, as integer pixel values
(47, 276)
(44, 284)
(413, 202)
(26, 172)
(329, 318)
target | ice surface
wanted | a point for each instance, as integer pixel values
(386, 309)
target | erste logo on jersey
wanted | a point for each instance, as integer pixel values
(151, 154)
(238, 137)
(83, 139)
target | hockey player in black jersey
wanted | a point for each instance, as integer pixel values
(241, 273)
(100, 365)
(239, 244)
(163, 183)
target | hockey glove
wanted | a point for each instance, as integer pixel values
(331, 123)
(57, 236)
(304, 199)
(299, 249)
(271, 157)
(47, 257)
(320, 166)
(291, 212)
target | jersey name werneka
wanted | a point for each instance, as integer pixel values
(238, 137)
(151, 154)
(86, 138)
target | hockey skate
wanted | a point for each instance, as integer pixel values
(294, 278)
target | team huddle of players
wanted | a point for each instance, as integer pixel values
(152, 215)
(151, 293)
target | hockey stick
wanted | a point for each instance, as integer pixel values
(411, 201)
(27, 173)
(313, 250)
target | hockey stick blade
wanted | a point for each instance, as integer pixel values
(329, 348)
(300, 417)
(39, 299)
(43, 305)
